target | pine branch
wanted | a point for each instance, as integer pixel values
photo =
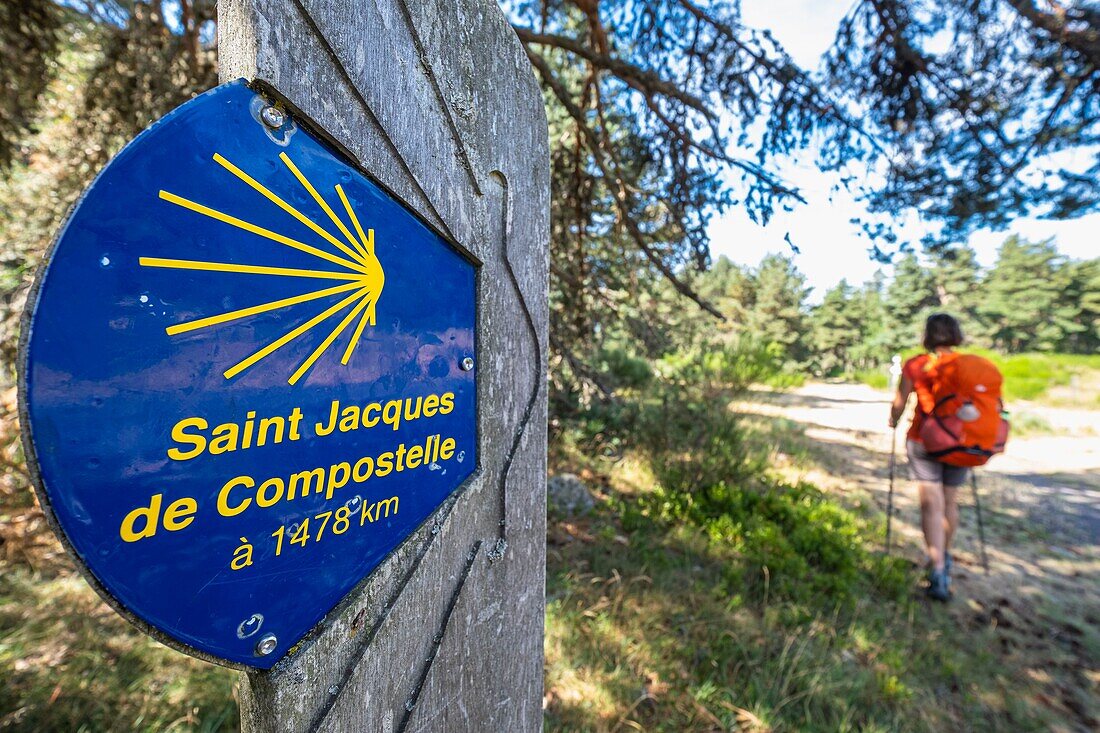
(621, 196)
(643, 80)
(1056, 26)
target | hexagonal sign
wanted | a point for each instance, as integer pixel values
(247, 377)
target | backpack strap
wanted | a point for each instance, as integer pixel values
(945, 429)
(970, 450)
(934, 414)
(942, 401)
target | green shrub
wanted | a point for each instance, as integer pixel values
(694, 443)
(675, 411)
(1029, 376)
(712, 480)
(876, 378)
(810, 545)
(625, 370)
(730, 367)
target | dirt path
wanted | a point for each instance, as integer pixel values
(1041, 506)
(1054, 480)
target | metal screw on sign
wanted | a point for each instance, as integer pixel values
(273, 117)
(266, 645)
(467, 364)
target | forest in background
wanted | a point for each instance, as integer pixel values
(1031, 299)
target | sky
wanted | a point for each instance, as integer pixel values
(830, 246)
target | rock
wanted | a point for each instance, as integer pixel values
(568, 495)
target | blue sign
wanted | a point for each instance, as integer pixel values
(248, 376)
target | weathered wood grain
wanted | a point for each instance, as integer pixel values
(436, 100)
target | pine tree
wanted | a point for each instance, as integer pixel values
(732, 290)
(871, 349)
(1023, 297)
(956, 274)
(1082, 295)
(910, 297)
(836, 329)
(778, 314)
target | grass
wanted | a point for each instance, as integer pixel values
(876, 378)
(69, 663)
(1032, 376)
(1062, 379)
(667, 628)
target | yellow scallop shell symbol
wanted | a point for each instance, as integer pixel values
(362, 272)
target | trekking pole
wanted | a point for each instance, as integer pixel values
(895, 377)
(981, 525)
(890, 495)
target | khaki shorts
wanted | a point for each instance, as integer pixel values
(923, 467)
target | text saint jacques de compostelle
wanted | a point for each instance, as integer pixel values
(193, 436)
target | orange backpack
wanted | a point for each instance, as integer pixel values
(965, 423)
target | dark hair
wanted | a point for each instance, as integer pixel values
(941, 330)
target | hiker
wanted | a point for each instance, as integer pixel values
(938, 482)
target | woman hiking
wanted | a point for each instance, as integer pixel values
(938, 482)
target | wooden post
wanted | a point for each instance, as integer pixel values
(436, 100)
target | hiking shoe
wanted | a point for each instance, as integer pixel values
(948, 566)
(929, 568)
(938, 589)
